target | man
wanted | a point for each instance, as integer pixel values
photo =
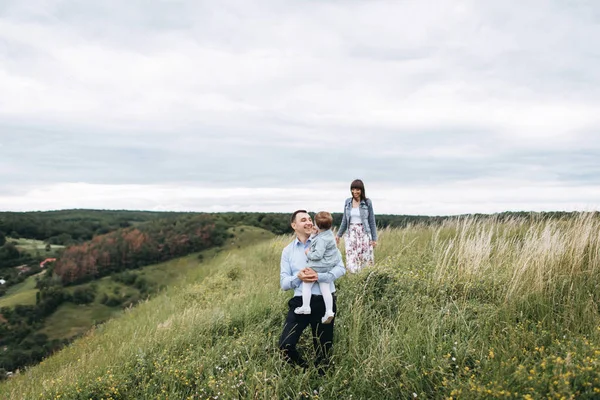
(293, 273)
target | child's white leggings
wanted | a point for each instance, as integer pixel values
(325, 291)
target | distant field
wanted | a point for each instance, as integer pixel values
(35, 247)
(22, 293)
(27, 284)
(26, 297)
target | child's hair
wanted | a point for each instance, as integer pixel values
(324, 220)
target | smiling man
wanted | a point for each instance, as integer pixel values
(293, 273)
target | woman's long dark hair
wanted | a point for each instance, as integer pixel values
(358, 184)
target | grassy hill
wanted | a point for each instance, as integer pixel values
(163, 273)
(468, 309)
(71, 320)
(21, 293)
(109, 295)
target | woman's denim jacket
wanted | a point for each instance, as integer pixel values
(366, 215)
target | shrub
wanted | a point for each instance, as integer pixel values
(84, 295)
(103, 298)
(234, 273)
(113, 301)
(142, 285)
(126, 277)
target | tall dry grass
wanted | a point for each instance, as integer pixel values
(519, 257)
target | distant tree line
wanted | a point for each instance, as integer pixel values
(77, 226)
(71, 226)
(11, 256)
(133, 247)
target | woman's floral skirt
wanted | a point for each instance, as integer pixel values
(359, 252)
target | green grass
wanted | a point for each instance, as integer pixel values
(21, 293)
(190, 268)
(27, 284)
(25, 297)
(469, 310)
(71, 320)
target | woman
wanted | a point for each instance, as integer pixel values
(359, 221)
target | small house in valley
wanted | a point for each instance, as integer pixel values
(47, 260)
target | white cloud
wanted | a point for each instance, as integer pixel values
(239, 94)
(439, 199)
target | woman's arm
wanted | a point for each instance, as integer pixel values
(344, 224)
(372, 221)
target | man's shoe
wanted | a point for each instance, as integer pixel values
(302, 310)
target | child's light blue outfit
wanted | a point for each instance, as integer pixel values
(323, 256)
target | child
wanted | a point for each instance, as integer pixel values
(322, 255)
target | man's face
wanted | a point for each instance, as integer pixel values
(302, 224)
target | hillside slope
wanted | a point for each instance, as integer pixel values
(469, 309)
(27, 336)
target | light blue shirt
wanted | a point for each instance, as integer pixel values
(293, 259)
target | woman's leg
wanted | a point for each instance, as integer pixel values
(352, 259)
(359, 251)
(365, 249)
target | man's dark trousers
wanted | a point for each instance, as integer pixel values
(295, 325)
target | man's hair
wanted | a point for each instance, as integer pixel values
(324, 220)
(293, 219)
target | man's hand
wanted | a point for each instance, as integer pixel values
(373, 243)
(308, 275)
(337, 240)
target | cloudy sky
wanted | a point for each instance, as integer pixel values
(441, 107)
